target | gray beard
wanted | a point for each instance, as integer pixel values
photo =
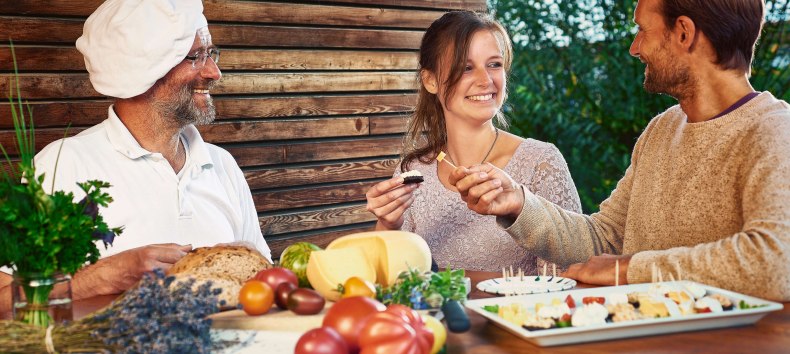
(184, 110)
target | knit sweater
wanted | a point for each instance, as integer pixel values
(707, 201)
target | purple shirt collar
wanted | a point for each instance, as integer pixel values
(738, 104)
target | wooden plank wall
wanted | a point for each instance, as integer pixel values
(312, 104)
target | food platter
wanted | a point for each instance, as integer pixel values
(523, 285)
(627, 329)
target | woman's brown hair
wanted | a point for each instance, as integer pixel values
(451, 34)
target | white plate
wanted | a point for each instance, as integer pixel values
(638, 328)
(527, 285)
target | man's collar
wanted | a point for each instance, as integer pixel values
(121, 138)
(123, 141)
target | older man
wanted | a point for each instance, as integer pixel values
(707, 195)
(171, 190)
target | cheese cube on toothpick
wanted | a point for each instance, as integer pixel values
(441, 156)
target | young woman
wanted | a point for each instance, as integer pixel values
(464, 61)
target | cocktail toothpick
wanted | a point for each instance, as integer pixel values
(660, 278)
(554, 269)
(617, 272)
(504, 274)
(441, 156)
(511, 271)
(544, 269)
(680, 278)
(521, 274)
(653, 273)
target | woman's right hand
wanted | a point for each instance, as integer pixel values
(388, 200)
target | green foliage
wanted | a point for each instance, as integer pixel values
(574, 84)
(44, 233)
(420, 290)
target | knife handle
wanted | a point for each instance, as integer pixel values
(456, 317)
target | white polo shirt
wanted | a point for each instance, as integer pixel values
(206, 203)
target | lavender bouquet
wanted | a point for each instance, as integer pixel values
(160, 315)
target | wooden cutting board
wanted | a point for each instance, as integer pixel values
(274, 320)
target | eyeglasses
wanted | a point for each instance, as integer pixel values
(199, 57)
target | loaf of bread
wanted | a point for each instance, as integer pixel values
(237, 262)
(227, 267)
(230, 287)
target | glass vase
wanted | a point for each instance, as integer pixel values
(35, 303)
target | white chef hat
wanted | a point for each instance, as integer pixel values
(129, 44)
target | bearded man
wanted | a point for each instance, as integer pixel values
(171, 190)
(707, 194)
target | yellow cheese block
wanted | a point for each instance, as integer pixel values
(390, 252)
(328, 268)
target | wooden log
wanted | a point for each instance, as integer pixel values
(51, 58)
(28, 30)
(311, 220)
(311, 196)
(316, 105)
(250, 11)
(43, 86)
(247, 156)
(225, 132)
(473, 5)
(287, 176)
(388, 124)
(89, 112)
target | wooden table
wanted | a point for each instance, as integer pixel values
(769, 335)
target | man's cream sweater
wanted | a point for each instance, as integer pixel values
(707, 201)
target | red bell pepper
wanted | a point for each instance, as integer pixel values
(398, 329)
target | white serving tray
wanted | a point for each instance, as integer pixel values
(638, 328)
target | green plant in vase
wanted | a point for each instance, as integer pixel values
(44, 234)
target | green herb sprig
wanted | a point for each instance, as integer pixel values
(424, 290)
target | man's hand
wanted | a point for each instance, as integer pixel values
(115, 274)
(488, 190)
(600, 270)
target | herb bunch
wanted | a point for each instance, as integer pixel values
(160, 315)
(424, 290)
(45, 233)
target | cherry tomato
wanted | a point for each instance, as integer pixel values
(356, 286)
(323, 340)
(281, 294)
(348, 316)
(276, 276)
(590, 299)
(305, 301)
(256, 297)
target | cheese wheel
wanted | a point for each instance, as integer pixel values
(329, 268)
(390, 252)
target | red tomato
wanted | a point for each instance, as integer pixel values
(275, 276)
(571, 303)
(356, 286)
(399, 329)
(256, 297)
(281, 294)
(348, 316)
(323, 340)
(590, 299)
